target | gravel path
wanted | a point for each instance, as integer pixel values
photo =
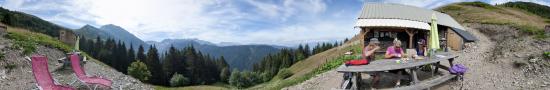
(485, 73)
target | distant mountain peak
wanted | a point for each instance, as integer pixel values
(111, 27)
(88, 26)
(222, 44)
(188, 40)
(111, 31)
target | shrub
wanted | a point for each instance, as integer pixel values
(546, 55)
(224, 74)
(284, 73)
(2, 57)
(26, 43)
(139, 70)
(234, 78)
(178, 80)
(266, 76)
(244, 79)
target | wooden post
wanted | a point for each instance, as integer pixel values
(361, 36)
(364, 34)
(411, 34)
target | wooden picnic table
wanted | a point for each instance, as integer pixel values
(411, 65)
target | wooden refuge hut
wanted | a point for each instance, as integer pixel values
(67, 37)
(409, 24)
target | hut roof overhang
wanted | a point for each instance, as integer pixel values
(392, 23)
(374, 11)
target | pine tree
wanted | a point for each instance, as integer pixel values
(141, 53)
(131, 56)
(82, 43)
(123, 56)
(170, 62)
(153, 63)
(346, 40)
(307, 50)
(98, 46)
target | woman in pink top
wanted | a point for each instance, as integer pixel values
(394, 51)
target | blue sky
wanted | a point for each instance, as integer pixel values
(276, 22)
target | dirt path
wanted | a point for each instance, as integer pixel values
(484, 73)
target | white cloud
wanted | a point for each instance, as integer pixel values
(320, 31)
(13, 4)
(424, 3)
(287, 8)
(286, 22)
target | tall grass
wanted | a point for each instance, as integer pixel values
(479, 4)
(28, 41)
(327, 66)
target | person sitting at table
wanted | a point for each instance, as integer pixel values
(368, 51)
(368, 54)
(395, 51)
(421, 48)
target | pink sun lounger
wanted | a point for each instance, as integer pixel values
(43, 76)
(82, 77)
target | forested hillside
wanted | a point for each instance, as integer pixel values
(541, 10)
(192, 67)
(241, 57)
(29, 22)
(275, 66)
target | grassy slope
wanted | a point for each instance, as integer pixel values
(312, 66)
(25, 35)
(463, 13)
(525, 21)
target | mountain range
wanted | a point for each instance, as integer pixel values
(237, 55)
(110, 31)
(241, 57)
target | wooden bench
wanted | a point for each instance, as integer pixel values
(433, 81)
